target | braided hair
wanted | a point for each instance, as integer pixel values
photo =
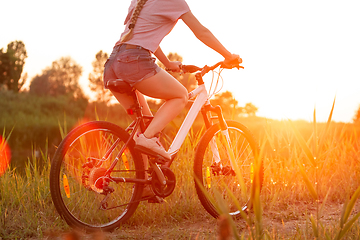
(134, 17)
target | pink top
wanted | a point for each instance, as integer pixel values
(156, 20)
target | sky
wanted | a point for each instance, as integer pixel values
(298, 55)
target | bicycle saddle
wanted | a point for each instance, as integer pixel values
(118, 85)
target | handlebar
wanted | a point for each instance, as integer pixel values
(204, 70)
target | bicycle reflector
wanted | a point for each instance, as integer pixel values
(208, 177)
(130, 111)
(125, 161)
(66, 186)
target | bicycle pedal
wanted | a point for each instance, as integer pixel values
(160, 159)
(156, 199)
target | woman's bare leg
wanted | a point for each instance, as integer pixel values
(127, 101)
(163, 86)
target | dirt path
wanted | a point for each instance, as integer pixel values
(285, 223)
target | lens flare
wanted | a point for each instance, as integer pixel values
(5, 155)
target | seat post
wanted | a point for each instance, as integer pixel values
(135, 109)
(122, 87)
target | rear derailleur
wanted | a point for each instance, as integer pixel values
(95, 179)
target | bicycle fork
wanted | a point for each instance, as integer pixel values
(225, 139)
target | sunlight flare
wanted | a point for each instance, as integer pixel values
(5, 155)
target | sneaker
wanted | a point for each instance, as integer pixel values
(151, 146)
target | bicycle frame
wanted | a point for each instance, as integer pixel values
(200, 101)
(201, 104)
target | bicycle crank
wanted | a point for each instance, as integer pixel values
(160, 189)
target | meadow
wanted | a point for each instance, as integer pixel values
(310, 191)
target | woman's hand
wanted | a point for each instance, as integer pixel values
(232, 60)
(174, 66)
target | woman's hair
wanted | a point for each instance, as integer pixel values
(134, 17)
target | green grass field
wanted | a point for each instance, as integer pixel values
(311, 182)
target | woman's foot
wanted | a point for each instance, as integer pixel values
(151, 146)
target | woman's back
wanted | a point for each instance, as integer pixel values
(156, 19)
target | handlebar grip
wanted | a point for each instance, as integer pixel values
(190, 68)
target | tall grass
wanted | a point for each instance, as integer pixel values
(317, 158)
(318, 170)
(25, 203)
(308, 167)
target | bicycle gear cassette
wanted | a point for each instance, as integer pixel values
(96, 179)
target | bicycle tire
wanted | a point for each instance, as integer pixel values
(76, 190)
(209, 180)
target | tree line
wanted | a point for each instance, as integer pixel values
(62, 78)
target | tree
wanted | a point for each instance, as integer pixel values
(227, 102)
(96, 78)
(250, 109)
(230, 106)
(62, 78)
(356, 118)
(11, 66)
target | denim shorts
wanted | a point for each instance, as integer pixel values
(130, 65)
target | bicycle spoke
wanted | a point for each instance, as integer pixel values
(90, 199)
(220, 178)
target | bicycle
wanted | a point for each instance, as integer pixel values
(97, 177)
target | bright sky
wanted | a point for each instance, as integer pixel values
(298, 55)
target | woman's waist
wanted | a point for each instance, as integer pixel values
(126, 46)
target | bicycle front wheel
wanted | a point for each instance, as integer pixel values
(83, 193)
(217, 184)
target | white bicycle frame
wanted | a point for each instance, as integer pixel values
(202, 98)
(200, 101)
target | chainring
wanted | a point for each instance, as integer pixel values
(158, 188)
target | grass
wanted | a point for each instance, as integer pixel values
(309, 168)
(318, 170)
(26, 203)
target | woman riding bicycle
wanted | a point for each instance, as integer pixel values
(147, 23)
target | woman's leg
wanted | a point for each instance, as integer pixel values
(163, 86)
(127, 101)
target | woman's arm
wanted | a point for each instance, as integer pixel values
(174, 66)
(205, 36)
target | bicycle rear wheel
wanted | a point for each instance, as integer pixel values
(215, 179)
(82, 194)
